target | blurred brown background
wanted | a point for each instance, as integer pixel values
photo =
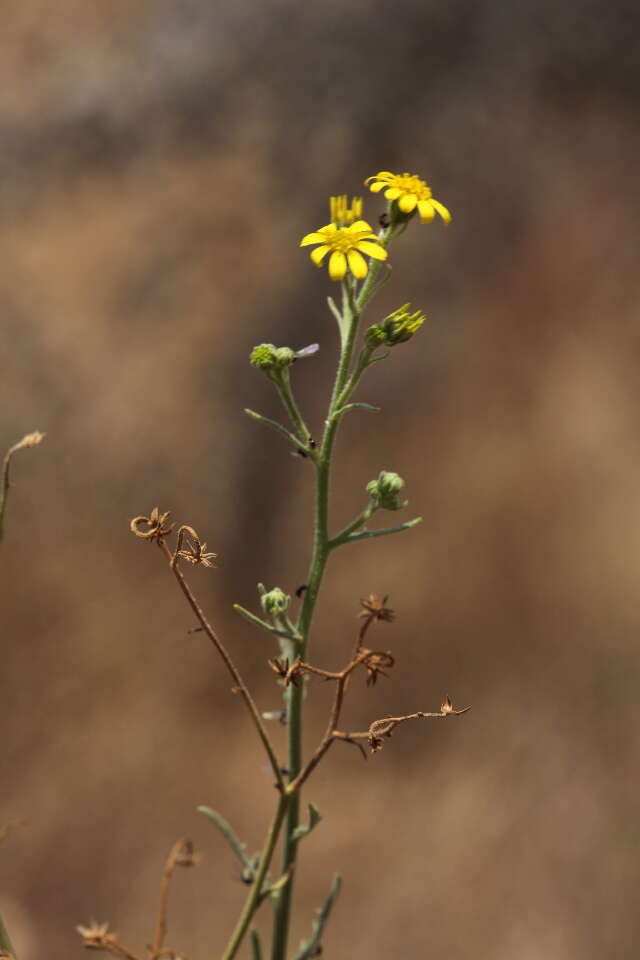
(159, 164)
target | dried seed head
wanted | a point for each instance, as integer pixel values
(195, 552)
(376, 608)
(96, 936)
(157, 525)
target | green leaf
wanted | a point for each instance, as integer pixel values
(308, 948)
(230, 836)
(304, 829)
(256, 948)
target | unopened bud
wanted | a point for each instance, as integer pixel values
(398, 327)
(385, 491)
(275, 603)
(268, 357)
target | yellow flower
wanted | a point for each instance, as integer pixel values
(409, 192)
(346, 245)
(341, 213)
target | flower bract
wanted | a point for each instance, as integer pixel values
(409, 193)
(346, 246)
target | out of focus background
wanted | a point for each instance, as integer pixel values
(159, 164)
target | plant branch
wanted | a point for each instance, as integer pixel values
(298, 444)
(255, 894)
(180, 850)
(283, 383)
(312, 947)
(230, 665)
(30, 440)
(367, 534)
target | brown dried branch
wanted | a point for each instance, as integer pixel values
(373, 660)
(181, 855)
(158, 530)
(30, 440)
(386, 726)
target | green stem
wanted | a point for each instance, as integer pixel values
(385, 531)
(5, 942)
(319, 557)
(346, 532)
(253, 900)
(283, 383)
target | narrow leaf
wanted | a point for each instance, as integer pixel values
(305, 828)
(308, 948)
(230, 836)
(256, 947)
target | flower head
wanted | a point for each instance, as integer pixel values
(346, 246)
(398, 327)
(266, 356)
(341, 213)
(96, 936)
(409, 192)
(385, 491)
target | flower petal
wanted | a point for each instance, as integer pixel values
(392, 193)
(407, 202)
(361, 226)
(337, 265)
(442, 210)
(357, 264)
(426, 211)
(319, 254)
(316, 237)
(378, 186)
(372, 250)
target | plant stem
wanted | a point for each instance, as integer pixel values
(5, 942)
(319, 557)
(253, 900)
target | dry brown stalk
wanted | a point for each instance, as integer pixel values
(181, 855)
(158, 529)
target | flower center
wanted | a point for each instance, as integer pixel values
(413, 185)
(343, 240)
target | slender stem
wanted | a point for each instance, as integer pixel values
(275, 426)
(5, 942)
(253, 900)
(167, 876)
(359, 521)
(231, 667)
(319, 557)
(368, 534)
(283, 383)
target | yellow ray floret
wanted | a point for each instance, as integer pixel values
(346, 246)
(409, 192)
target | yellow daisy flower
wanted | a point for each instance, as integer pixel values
(409, 192)
(346, 246)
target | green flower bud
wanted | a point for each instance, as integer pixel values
(398, 327)
(384, 491)
(267, 357)
(275, 603)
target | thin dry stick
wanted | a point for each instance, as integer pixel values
(334, 717)
(231, 667)
(31, 440)
(177, 852)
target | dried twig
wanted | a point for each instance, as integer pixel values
(181, 855)
(30, 440)
(158, 529)
(385, 727)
